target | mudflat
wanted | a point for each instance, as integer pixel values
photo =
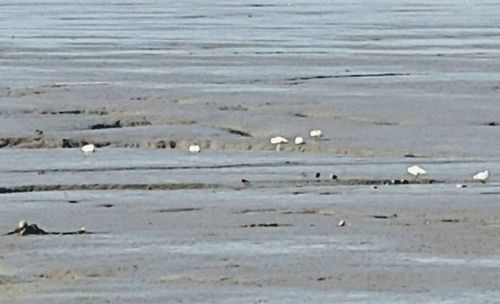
(391, 84)
(169, 226)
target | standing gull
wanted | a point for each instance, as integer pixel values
(88, 149)
(299, 140)
(316, 133)
(481, 176)
(416, 171)
(278, 140)
(194, 148)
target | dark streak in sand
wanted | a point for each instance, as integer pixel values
(265, 225)
(347, 76)
(237, 132)
(175, 210)
(242, 165)
(88, 187)
(105, 205)
(246, 211)
(116, 124)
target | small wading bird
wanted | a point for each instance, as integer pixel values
(88, 149)
(416, 171)
(194, 149)
(481, 176)
(278, 140)
(316, 133)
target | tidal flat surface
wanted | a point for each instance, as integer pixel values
(173, 227)
(143, 81)
(383, 78)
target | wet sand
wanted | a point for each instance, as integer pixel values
(211, 238)
(389, 79)
(143, 81)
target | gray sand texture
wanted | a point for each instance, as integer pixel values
(391, 84)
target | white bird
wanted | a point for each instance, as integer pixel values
(22, 224)
(481, 176)
(299, 140)
(416, 171)
(88, 149)
(316, 133)
(278, 140)
(194, 149)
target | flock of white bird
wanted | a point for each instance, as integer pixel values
(279, 140)
(418, 171)
(194, 148)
